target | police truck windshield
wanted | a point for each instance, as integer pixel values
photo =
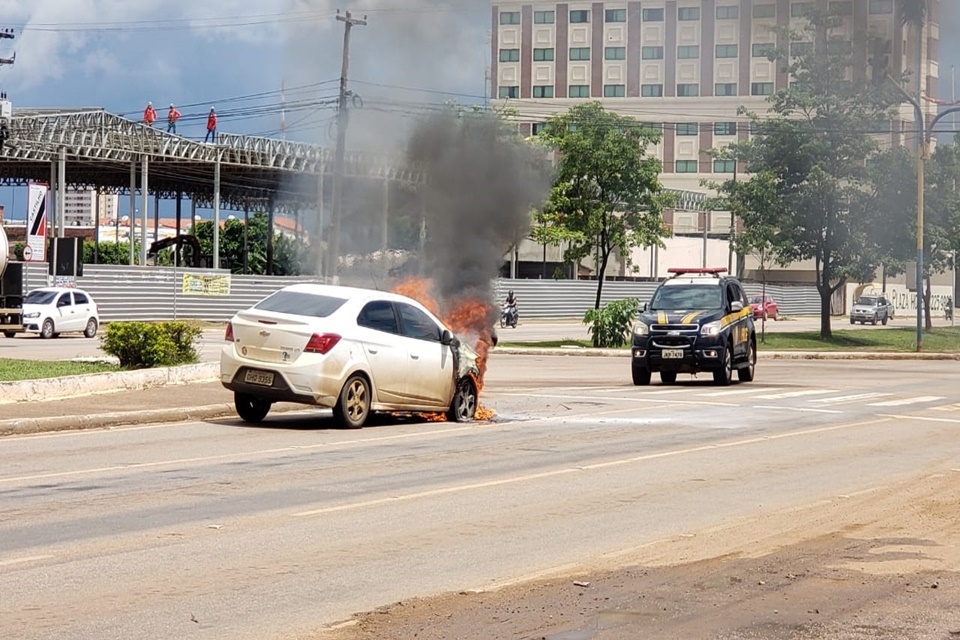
(687, 298)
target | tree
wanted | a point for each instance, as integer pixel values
(607, 194)
(942, 216)
(886, 207)
(813, 148)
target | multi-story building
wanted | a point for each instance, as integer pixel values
(83, 207)
(686, 65)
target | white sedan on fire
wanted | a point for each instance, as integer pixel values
(357, 351)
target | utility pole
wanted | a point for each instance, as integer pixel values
(333, 255)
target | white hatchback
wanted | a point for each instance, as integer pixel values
(51, 311)
(357, 351)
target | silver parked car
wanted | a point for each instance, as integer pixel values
(872, 309)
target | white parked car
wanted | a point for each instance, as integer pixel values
(357, 351)
(54, 310)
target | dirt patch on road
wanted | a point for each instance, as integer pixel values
(883, 564)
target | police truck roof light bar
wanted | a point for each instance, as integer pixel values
(714, 271)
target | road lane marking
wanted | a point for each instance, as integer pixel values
(800, 409)
(13, 561)
(857, 397)
(796, 394)
(921, 418)
(544, 396)
(733, 392)
(396, 499)
(905, 401)
(947, 407)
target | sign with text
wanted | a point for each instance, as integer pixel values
(212, 285)
(36, 223)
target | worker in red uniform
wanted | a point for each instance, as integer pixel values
(211, 126)
(149, 115)
(172, 116)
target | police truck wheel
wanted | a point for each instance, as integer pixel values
(641, 377)
(745, 374)
(723, 377)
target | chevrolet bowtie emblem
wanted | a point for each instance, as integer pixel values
(264, 333)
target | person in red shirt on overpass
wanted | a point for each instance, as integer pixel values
(149, 115)
(172, 116)
(211, 126)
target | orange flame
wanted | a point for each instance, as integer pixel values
(466, 317)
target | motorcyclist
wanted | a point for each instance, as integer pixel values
(510, 308)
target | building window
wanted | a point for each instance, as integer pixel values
(764, 11)
(653, 126)
(651, 53)
(615, 53)
(543, 55)
(727, 51)
(839, 47)
(579, 16)
(651, 90)
(687, 128)
(580, 53)
(543, 17)
(725, 89)
(879, 7)
(688, 90)
(688, 13)
(725, 128)
(538, 127)
(509, 92)
(801, 49)
(509, 55)
(761, 89)
(764, 50)
(688, 52)
(724, 166)
(615, 15)
(651, 15)
(614, 90)
(728, 12)
(579, 91)
(841, 8)
(509, 17)
(543, 91)
(802, 9)
(687, 166)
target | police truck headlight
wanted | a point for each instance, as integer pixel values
(711, 329)
(641, 329)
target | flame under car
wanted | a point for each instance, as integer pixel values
(356, 351)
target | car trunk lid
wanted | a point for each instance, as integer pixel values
(272, 337)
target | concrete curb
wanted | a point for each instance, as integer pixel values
(762, 355)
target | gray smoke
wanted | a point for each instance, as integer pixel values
(483, 183)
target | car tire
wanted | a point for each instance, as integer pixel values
(250, 408)
(874, 321)
(745, 374)
(90, 330)
(464, 405)
(723, 377)
(641, 377)
(852, 321)
(10, 334)
(353, 406)
(884, 321)
(764, 316)
(668, 377)
(46, 329)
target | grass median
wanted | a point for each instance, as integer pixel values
(894, 340)
(14, 370)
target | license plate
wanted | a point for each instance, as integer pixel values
(263, 378)
(673, 354)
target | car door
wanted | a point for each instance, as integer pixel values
(83, 308)
(385, 349)
(430, 363)
(65, 316)
(739, 329)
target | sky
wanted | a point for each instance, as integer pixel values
(235, 55)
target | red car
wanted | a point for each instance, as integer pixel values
(764, 307)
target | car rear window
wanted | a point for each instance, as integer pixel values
(301, 304)
(40, 297)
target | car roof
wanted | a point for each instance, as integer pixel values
(58, 289)
(346, 293)
(696, 280)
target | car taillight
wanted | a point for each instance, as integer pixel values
(228, 336)
(321, 343)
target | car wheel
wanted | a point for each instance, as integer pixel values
(9, 334)
(724, 376)
(464, 405)
(884, 321)
(641, 377)
(46, 330)
(251, 409)
(745, 374)
(874, 322)
(668, 377)
(852, 321)
(764, 316)
(353, 407)
(91, 328)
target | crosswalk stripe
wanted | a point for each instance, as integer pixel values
(905, 401)
(797, 394)
(851, 398)
(732, 392)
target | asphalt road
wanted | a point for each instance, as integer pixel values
(219, 530)
(28, 347)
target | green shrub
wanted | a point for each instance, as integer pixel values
(143, 345)
(610, 325)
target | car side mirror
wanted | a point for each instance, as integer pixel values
(449, 339)
(643, 309)
(736, 306)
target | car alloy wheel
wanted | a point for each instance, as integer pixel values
(251, 409)
(745, 374)
(724, 376)
(464, 405)
(91, 328)
(46, 330)
(353, 407)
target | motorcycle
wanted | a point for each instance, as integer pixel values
(508, 316)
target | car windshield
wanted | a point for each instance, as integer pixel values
(756, 300)
(867, 301)
(40, 297)
(301, 304)
(678, 298)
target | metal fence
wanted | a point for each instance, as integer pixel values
(157, 293)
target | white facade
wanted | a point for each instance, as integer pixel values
(83, 208)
